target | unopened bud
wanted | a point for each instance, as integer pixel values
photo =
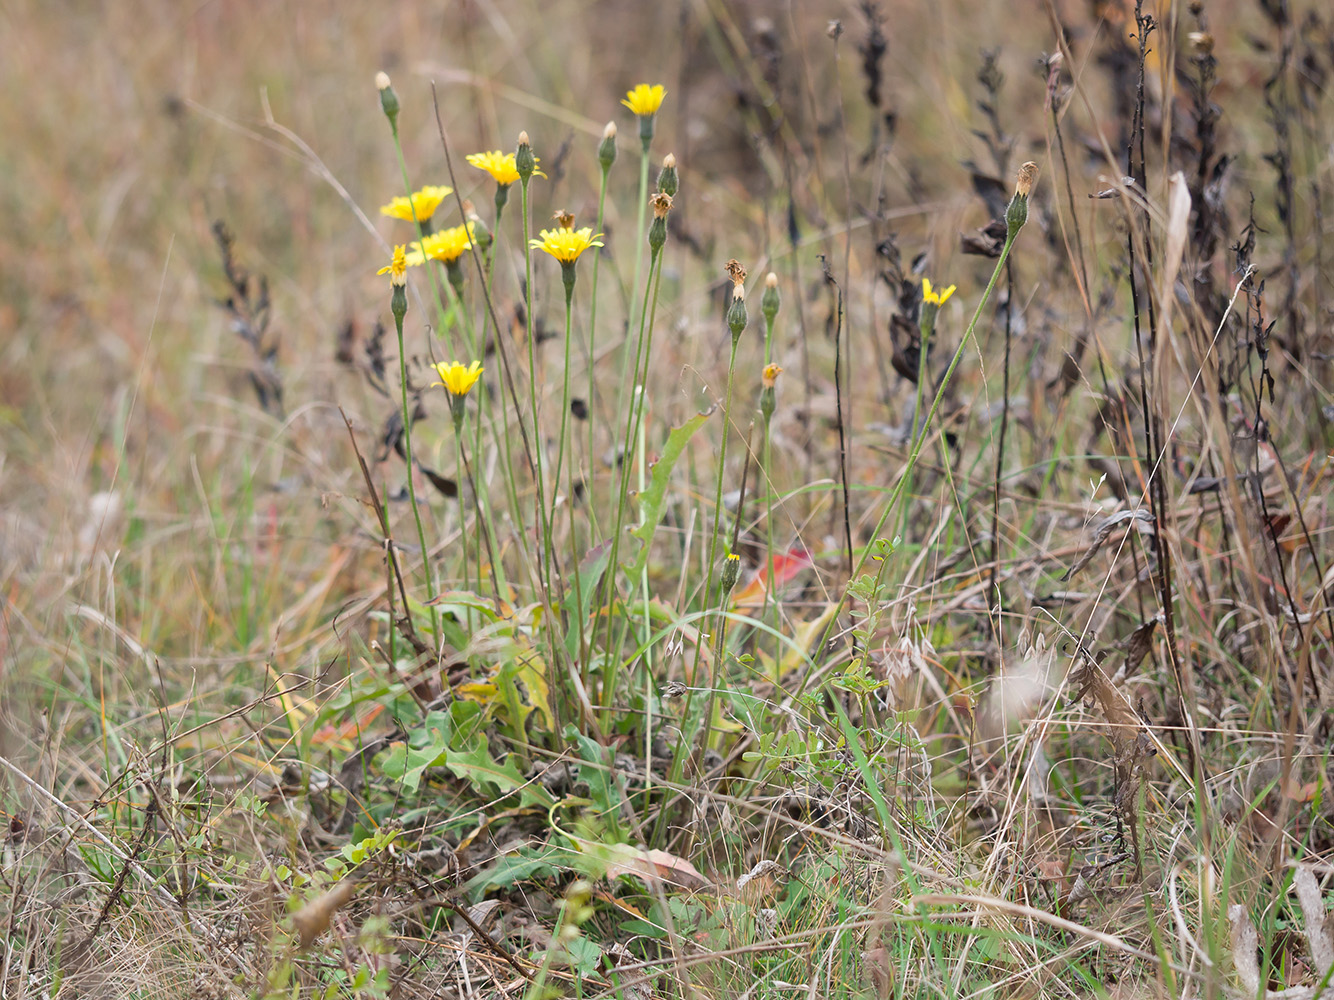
(607, 148)
(388, 99)
(667, 179)
(525, 163)
(731, 570)
(1016, 214)
(768, 393)
(736, 312)
(770, 301)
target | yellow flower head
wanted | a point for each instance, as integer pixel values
(425, 201)
(499, 165)
(645, 100)
(448, 245)
(566, 244)
(936, 298)
(397, 269)
(769, 378)
(457, 379)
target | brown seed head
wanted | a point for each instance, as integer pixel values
(736, 272)
(1028, 176)
(662, 204)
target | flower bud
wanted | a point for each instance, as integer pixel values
(525, 163)
(667, 179)
(607, 148)
(768, 393)
(736, 312)
(398, 303)
(731, 570)
(770, 301)
(388, 99)
(1016, 214)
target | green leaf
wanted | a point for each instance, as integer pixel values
(654, 497)
(476, 765)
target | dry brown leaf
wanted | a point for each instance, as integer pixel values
(314, 918)
(1244, 942)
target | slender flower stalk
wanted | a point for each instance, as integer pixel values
(397, 269)
(390, 106)
(1016, 215)
(770, 303)
(634, 412)
(458, 380)
(736, 324)
(644, 101)
(606, 157)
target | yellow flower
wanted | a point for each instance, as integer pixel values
(499, 165)
(397, 268)
(936, 298)
(457, 379)
(566, 244)
(645, 100)
(425, 201)
(448, 245)
(769, 378)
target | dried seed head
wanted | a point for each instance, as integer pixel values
(662, 204)
(1201, 42)
(382, 80)
(563, 218)
(669, 161)
(736, 272)
(610, 131)
(1028, 176)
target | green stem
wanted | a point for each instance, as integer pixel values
(911, 464)
(412, 489)
(592, 357)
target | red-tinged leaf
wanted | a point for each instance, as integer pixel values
(787, 565)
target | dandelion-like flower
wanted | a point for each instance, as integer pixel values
(935, 297)
(499, 165)
(645, 99)
(566, 244)
(424, 202)
(448, 246)
(397, 269)
(457, 378)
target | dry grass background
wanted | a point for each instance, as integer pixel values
(189, 581)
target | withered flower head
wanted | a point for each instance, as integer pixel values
(1028, 176)
(662, 204)
(769, 378)
(736, 272)
(563, 218)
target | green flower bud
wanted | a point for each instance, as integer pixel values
(736, 312)
(525, 163)
(388, 99)
(770, 301)
(607, 148)
(667, 179)
(1016, 214)
(731, 570)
